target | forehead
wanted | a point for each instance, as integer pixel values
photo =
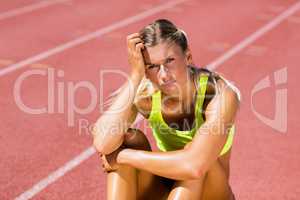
(161, 51)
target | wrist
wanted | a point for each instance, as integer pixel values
(136, 77)
(124, 156)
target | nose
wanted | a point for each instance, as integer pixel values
(163, 75)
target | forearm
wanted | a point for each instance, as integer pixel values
(110, 127)
(177, 165)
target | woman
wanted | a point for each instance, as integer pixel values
(191, 112)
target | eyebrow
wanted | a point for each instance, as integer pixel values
(168, 57)
(150, 64)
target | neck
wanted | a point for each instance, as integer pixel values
(186, 97)
(189, 94)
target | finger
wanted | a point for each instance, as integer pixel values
(104, 169)
(107, 167)
(139, 47)
(132, 43)
(133, 35)
(103, 157)
(138, 51)
(105, 162)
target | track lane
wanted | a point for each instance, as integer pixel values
(39, 31)
(26, 138)
(72, 191)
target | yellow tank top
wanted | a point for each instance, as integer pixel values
(169, 139)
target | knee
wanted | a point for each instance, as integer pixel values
(136, 139)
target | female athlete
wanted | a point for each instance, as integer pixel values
(191, 112)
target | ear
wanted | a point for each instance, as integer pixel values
(189, 57)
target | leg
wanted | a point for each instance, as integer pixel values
(187, 190)
(121, 184)
(130, 183)
(214, 185)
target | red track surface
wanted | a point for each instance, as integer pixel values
(11, 5)
(265, 163)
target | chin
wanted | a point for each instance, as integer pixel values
(170, 90)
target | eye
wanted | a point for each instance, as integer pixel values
(169, 60)
(152, 66)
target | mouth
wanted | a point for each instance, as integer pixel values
(169, 83)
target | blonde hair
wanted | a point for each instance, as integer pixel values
(163, 30)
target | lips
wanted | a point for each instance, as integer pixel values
(169, 83)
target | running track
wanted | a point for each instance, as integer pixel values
(265, 162)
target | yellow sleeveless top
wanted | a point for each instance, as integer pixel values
(169, 139)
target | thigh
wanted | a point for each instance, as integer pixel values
(216, 185)
(121, 184)
(187, 189)
(149, 186)
(213, 185)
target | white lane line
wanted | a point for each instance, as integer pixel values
(90, 151)
(90, 36)
(57, 174)
(42, 184)
(54, 176)
(257, 34)
(29, 8)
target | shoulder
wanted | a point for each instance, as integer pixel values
(226, 100)
(227, 87)
(219, 92)
(217, 82)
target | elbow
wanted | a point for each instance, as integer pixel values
(102, 148)
(98, 145)
(195, 168)
(99, 139)
(197, 173)
(191, 170)
(198, 168)
(106, 145)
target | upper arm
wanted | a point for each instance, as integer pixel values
(211, 136)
